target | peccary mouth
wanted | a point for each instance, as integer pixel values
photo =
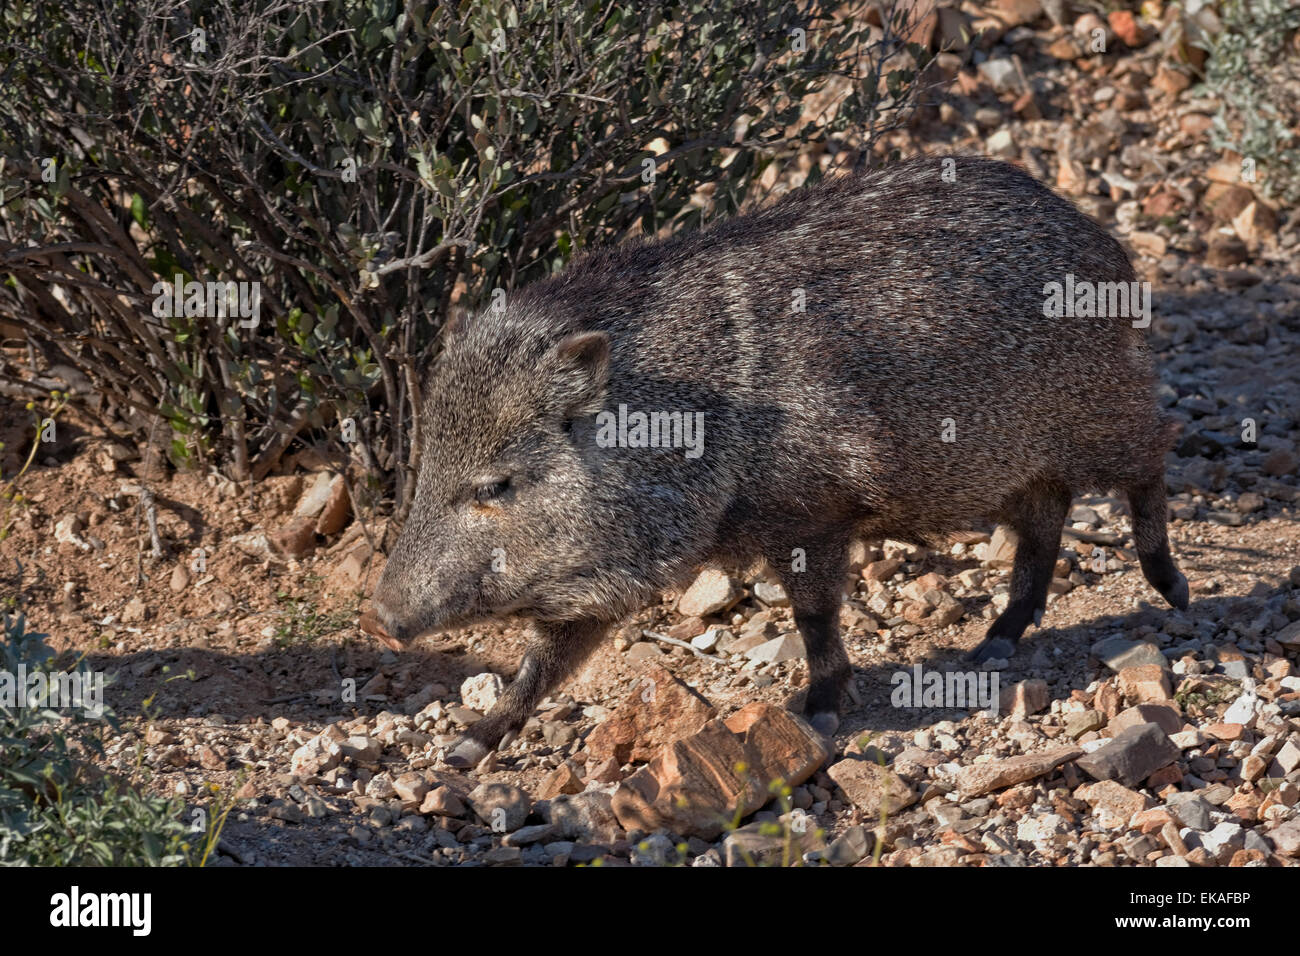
(399, 633)
(372, 625)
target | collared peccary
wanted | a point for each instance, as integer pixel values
(868, 357)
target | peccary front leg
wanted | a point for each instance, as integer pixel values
(812, 581)
(1037, 522)
(555, 651)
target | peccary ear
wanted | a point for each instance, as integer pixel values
(457, 317)
(580, 372)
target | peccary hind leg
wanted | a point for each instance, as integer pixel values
(1150, 518)
(1037, 521)
(555, 650)
(814, 594)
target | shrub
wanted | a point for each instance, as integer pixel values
(368, 162)
(57, 810)
(1253, 68)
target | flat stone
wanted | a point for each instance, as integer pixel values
(1223, 841)
(871, 787)
(536, 833)
(1165, 715)
(1131, 756)
(787, 647)
(1113, 803)
(1024, 698)
(1224, 731)
(712, 592)
(978, 779)
(1145, 683)
(1287, 758)
(1289, 636)
(882, 570)
(410, 787)
(773, 595)
(1081, 722)
(1286, 838)
(1118, 653)
(502, 806)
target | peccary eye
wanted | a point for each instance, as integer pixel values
(491, 489)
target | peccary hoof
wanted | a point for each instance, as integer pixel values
(824, 723)
(992, 648)
(465, 754)
(1177, 594)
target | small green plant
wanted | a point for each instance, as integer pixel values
(56, 809)
(1254, 71)
(302, 622)
(9, 494)
(790, 827)
(219, 807)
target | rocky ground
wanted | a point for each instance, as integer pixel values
(1126, 733)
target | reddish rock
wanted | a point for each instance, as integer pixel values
(1146, 683)
(1153, 820)
(1126, 27)
(1222, 731)
(1169, 833)
(1165, 777)
(1171, 81)
(784, 745)
(658, 710)
(1113, 803)
(693, 787)
(1162, 202)
(1016, 13)
(563, 779)
(688, 628)
(411, 787)
(1107, 700)
(294, 539)
(727, 768)
(338, 507)
(442, 801)
(882, 570)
